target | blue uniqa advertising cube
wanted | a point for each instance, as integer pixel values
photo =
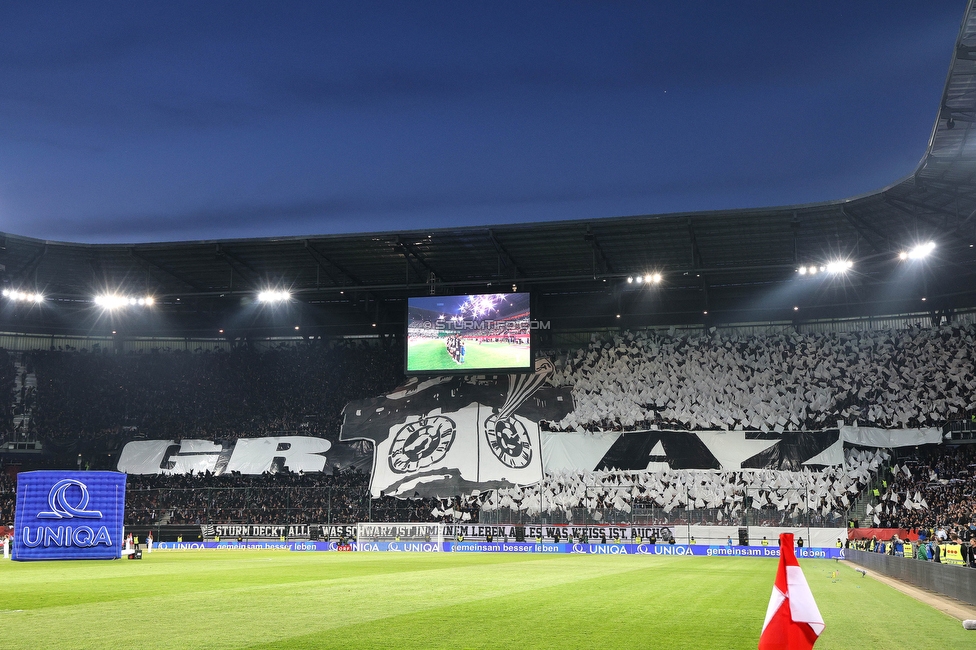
(69, 515)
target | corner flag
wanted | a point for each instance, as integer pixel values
(793, 621)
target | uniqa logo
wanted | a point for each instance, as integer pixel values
(57, 500)
(82, 536)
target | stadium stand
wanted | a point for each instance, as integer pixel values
(933, 488)
(340, 498)
(90, 403)
(792, 381)
(696, 497)
(8, 487)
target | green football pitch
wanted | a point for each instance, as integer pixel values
(432, 355)
(279, 599)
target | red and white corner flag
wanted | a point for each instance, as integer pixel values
(793, 621)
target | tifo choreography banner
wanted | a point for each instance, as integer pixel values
(246, 455)
(445, 436)
(69, 515)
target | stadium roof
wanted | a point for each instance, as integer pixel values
(717, 266)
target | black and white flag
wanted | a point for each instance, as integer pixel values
(446, 436)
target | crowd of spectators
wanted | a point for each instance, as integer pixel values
(8, 495)
(726, 497)
(91, 402)
(279, 498)
(935, 488)
(7, 381)
(776, 382)
(789, 381)
(87, 402)
(957, 547)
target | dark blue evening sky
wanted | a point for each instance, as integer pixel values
(171, 121)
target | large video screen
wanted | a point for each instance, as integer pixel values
(469, 334)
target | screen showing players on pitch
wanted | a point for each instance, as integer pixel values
(469, 334)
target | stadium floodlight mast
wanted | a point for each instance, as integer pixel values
(23, 296)
(272, 296)
(919, 252)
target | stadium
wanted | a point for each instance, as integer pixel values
(555, 434)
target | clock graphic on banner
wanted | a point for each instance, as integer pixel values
(418, 445)
(509, 441)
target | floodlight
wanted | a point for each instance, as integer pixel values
(269, 295)
(110, 301)
(630, 280)
(838, 266)
(919, 252)
(23, 296)
(656, 278)
(802, 270)
(639, 279)
(116, 301)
